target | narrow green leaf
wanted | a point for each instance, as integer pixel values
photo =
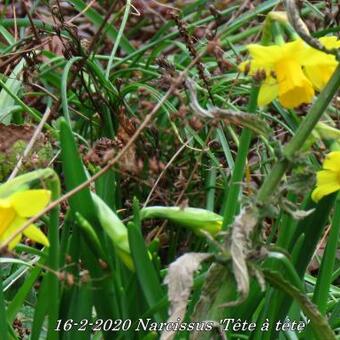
(13, 85)
(97, 19)
(22, 293)
(146, 273)
(7, 35)
(40, 310)
(321, 328)
(74, 174)
(324, 280)
(231, 205)
(3, 314)
(80, 312)
(312, 226)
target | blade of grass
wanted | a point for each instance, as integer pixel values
(118, 37)
(40, 310)
(3, 314)
(13, 85)
(231, 205)
(321, 328)
(22, 293)
(320, 297)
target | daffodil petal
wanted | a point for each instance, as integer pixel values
(332, 161)
(327, 183)
(265, 55)
(5, 203)
(7, 216)
(269, 90)
(322, 191)
(36, 235)
(330, 42)
(308, 56)
(14, 242)
(319, 75)
(299, 70)
(30, 202)
(294, 49)
(10, 230)
(314, 57)
(327, 177)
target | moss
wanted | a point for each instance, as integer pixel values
(39, 157)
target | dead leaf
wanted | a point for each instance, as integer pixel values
(240, 247)
(180, 281)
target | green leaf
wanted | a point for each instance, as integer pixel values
(7, 35)
(81, 309)
(22, 293)
(146, 273)
(13, 84)
(40, 310)
(74, 174)
(324, 279)
(321, 328)
(3, 314)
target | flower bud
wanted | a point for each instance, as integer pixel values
(327, 132)
(196, 219)
(115, 229)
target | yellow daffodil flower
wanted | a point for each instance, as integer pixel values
(292, 70)
(328, 179)
(16, 209)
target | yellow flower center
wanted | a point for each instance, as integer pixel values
(294, 88)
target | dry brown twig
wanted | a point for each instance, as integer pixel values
(164, 170)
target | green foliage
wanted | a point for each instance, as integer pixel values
(144, 171)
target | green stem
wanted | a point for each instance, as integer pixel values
(277, 33)
(232, 202)
(301, 135)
